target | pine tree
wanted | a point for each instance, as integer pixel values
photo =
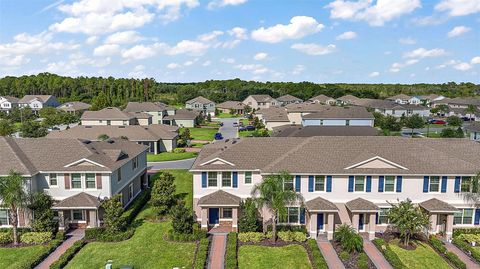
(163, 193)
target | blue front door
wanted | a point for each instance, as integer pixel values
(360, 222)
(213, 215)
(320, 221)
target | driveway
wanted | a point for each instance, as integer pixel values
(180, 164)
(228, 131)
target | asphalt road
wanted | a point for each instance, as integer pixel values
(228, 131)
(181, 164)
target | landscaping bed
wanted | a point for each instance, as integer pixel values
(464, 239)
(354, 260)
(420, 256)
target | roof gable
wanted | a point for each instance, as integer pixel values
(84, 162)
(217, 161)
(376, 162)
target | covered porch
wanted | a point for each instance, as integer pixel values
(321, 217)
(219, 212)
(79, 211)
(363, 214)
(440, 215)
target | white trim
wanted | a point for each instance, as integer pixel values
(84, 160)
(376, 158)
(217, 159)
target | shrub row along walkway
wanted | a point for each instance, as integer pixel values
(329, 254)
(374, 254)
(74, 236)
(464, 257)
(217, 251)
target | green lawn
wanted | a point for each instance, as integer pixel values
(245, 122)
(422, 257)
(206, 134)
(245, 133)
(227, 115)
(292, 256)
(17, 257)
(170, 156)
(183, 183)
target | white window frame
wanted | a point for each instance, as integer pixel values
(8, 217)
(131, 192)
(71, 181)
(461, 183)
(231, 179)
(287, 217)
(439, 184)
(50, 179)
(208, 180)
(385, 211)
(83, 220)
(94, 181)
(355, 183)
(222, 217)
(385, 183)
(462, 210)
(251, 178)
(315, 183)
(293, 184)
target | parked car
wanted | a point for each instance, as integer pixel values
(235, 124)
(221, 124)
(242, 129)
(218, 136)
(439, 122)
(250, 128)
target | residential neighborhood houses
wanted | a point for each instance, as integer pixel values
(37, 102)
(201, 104)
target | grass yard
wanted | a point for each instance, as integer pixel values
(245, 121)
(206, 134)
(17, 257)
(245, 133)
(170, 156)
(422, 257)
(292, 256)
(227, 115)
(183, 184)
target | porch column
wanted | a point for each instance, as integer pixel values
(372, 226)
(355, 219)
(313, 225)
(93, 218)
(433, 223)
(204, 218)
(235, 218)
(61, 219)
(449, 227)
(330, 225)
(156, 147)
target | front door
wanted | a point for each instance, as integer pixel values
(320, 221)
(361, 222)
(213, 215)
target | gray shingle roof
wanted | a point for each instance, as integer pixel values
(289, 98)
(337, 112)
(437, 206)
(28, 98)
(261, 97)
(361, 205)
(82, 200)
(308, 131)
(274, 114)
(108, 113)
(320, 98)
(320, 204)
(219, 198)
(143, 107)
(402, 97)
(74, 106)
(474, 127)
(199, 99)
(183, 114)
(231, 105)
(348, 98)
(305, 107)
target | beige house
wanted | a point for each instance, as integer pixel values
(157, 110)
(322, 99)
(259, 101)
(77, 174)
(114, 116)
(74, 107)
(342, 180)
(182, 118)
(288, 99)
(202, 104)
(235, 106)
(273, 117)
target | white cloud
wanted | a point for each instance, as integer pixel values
(256, 69)
(397, 66)
(173, 66)
(298, 69)
(228, 60)
(374, 74)
(375, 13)
(423, 53)
(407, 41)
(445, 64)
(300, 26)
(314, 49)
(188, 47)
(139, 52)
(260, 56)
(106, 50)
(458, 7)
(15, 61)
(463, 66)
(475, 60)
(208, 37)
(222, 3)
(91, 40)
(138, 72)
(238, 32)
(458, 30)
(125, 37)
(207, 63)
(347, 35)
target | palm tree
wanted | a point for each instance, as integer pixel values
(473, 196)
(272, 194)
(14, 196)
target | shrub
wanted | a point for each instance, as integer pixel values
(113, 211)
(116, 236)
(249, 219)
(362, 261)
(94, 233)
(453, 258)
(292, 228)
(60, 235)
(459, 231)
(318, 259)
(163, 193)
(231, 252)
(182, 218)
(390, 255)
(467, 248)
(36, 238)
(292, 236)
(5, 238)
(196, 235)
(179, 150)
(470, 238)
(253, 237)
(437, 244)
(202, 254)
(134, 208)
(68, 255)
(41, 204)
(349, 239)
(344, 255)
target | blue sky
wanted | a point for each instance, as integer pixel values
(365, 41)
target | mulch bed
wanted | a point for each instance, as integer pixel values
(351, 263)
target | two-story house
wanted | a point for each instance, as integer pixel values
(74, 107)
(7, 103)
(258, 101)
(114, 116)
(157, 110)
(200, 103)
(352, 180)
(339, 116)
(288, 99)
(78, 174)
(37, 102)
(404, 99)
(474, 131)
(322, 99)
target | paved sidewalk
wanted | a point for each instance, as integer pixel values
(217, 251)
(374, 254)
(329, 254)
(464, 257)
(74, 236)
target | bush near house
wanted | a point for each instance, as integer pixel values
(318, 261)
(252, 237)
(231, 261)
(452, 257)
(35, 238)
(466, 247)
(68, 255)
(289, 236)
(390, 255)
(202, 254)
(460, 231)
(6, 238)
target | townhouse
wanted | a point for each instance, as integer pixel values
(157, 137)
(308, 131)
(7, 103)
(74, 107)
(114, 116)
(348, 180)
(78, 174)
(235, 106)
(258, 101)
(390, 108)
(322, 99)
(157, 110)
(347, 100)
(273, 117)
(288, 99)
(339, 116)
(202, 104)
(37, 102)
(404, 99)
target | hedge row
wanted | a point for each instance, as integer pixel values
(389, 254)
(134, 208)
(459, 231)
(318, 259)
(202, 254)
(198, 234)
(291, 228)
(68, 255)
(231, 261)
(467, 248)
(36, 238)
(101, 234)
(452, 257)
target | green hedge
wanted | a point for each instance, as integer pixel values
(467, 248)
(202, 254)
(437, 244)
(134, 208)
(68, 255)
(231, 260)
(362, 261)
(292, 228)
(6, 238)
(36, 238)
(289, 236)
(197, 234)
(390, 255)
(318, 259)
(101, 234)
(459, 231)
(452, 257)
(253, 237)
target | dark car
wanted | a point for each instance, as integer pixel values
(241, 129)
(221, 124)
(250, 128)
(218, 136)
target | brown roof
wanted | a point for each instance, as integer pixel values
(289, 98)
(361, 205)
(11, 99)
(219, 198)
(322, 98)
(348, 98)
(337, 112)
(308, 131)
(109, 113)
(474, 127)
(152, 132)
(140, 115)
(82, 200)
(402, 97)
(305, 107)
(420, 156)
(199, 99)
(273, 114)
(464, 101)
(320, 204)
(183, 114)
(231, 105)
(28, 98)
(74, 106)
(143, 107)
(261, 97)
(437, 206)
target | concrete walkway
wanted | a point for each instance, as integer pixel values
(375, 255)
(73, 236)
(329, 254)
(217, 251)
(464, 257)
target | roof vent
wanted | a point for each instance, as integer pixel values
(226, 140)
(88, 127)
(121, 127)
(234, 142)
(110, 141)
(87, 142)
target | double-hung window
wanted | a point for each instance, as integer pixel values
(292, 216)
(466, 185)
(135, 163)
(226, 179)
(248, 177)
(383, 216)
(4, 219)
(288, 184)
(434, 185)
(389, 184)
(77, 214)
(359, 183)
(53, 179)
(212, 179)
(76, 181)
(463, 216)
(319, 183)
(227, 213)
(90, 181)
